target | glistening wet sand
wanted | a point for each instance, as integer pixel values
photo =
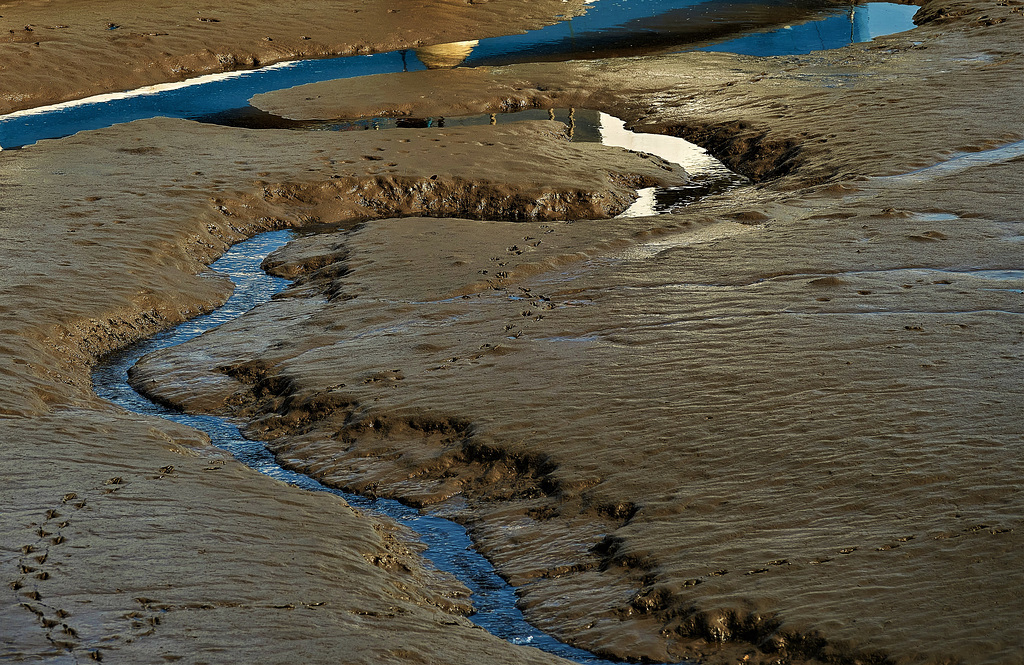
(55, 52)
(699, 452)
(128, 536)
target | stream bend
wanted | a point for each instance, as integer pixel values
(449, 547)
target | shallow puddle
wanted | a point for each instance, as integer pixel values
(998, 274)
(935, 216)
(852, 25)
(615, 28)
(708, 175)
(957, 164)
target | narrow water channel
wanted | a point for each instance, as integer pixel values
(448, 545)
(708, 176)
(617, 27)
(610, 28)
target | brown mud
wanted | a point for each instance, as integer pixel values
(130, 539)
(54, 52)
(782, 425)
(57, 52)
(824, 117)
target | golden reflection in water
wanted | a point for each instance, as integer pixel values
(445, 56)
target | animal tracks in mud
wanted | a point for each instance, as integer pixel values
(38, 564)
(40, 578)
(536, 304)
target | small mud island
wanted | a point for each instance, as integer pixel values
(781, 424)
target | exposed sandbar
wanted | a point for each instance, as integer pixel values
(58, 51)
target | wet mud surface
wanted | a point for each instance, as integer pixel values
(68, 50)
(781, 424)
(147, 206)
(76, 49)
(442, 542)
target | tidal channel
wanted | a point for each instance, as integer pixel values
(609, 28)
(449, 547)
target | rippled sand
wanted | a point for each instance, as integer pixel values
(128, 538)
(56, 51)
(786, 421)
(780, 425)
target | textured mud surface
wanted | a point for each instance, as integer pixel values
(57, 51)
(126, 537)
(879, 108)
(780, 425)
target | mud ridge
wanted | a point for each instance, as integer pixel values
(290, 420)
(762, 630)
(439, 196)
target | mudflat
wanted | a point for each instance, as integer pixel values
(55, 52)
(130, 539)
(782, 424)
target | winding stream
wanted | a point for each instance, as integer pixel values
(610, 27)
(448, 545)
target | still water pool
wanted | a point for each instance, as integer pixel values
(609, 28)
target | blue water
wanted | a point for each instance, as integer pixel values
(195, 101)
(839, 28)
(448, 545)
(629, 27)
(610, 27)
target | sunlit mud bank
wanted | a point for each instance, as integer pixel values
(780, 424)
(129, 538)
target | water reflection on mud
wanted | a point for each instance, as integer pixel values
(445, 56)
(851, 25)
(610, 28)
(707, 175)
